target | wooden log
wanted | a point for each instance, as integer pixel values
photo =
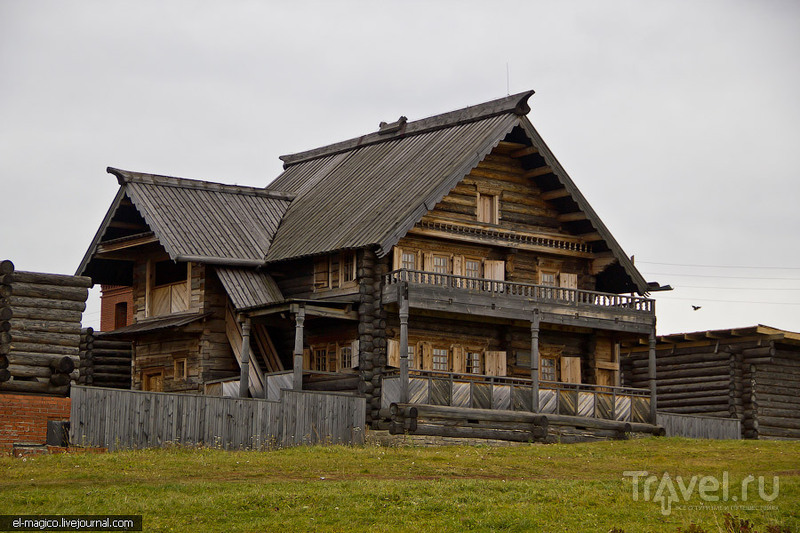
(102, 352)
(3, 361)
(6, 291)
(6, 267)
(60, 380)
(45, 326)
(40, 278)
(17, 301)
(6, 313)
(466, 413)
(789, 421)
(101, 343)
(25, 371)
(114, 361)
(41, 337)
(38, 359)
(40, 313)
(5, 374)
(474, 433)
(110, 378)
(5, 337)
(5, 325)
(52, 292)
(334, 385)
(30, 347)
(36, 387)
(113, 369)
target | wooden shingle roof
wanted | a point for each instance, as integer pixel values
(249, 288)
(200, 221)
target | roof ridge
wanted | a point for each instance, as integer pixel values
(515, 103)
(126, 176)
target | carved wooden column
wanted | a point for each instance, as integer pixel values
(403, 298)
(244, 377)
(299, 319)
(535, 361)
(651, 374)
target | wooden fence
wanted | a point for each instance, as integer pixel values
(121, 419)
(699, 427)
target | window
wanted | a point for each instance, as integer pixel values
(474, 363)
(120, 315)
(348, 270)
(547, 369)
(346, 357)
(440, 362)
(548, 279)
(167, 272)
(180, 369)
(411, 357)
(409, 261)
(334, 271)
(441, 264)
(321, 359)
(472, 268)
(488, 208)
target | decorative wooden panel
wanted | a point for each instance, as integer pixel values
(481, 396)
(440, 391)
(605, 406)
(548, 401)
(622, 410)
(567, 402)
(640, 409)
(521, 398)
(586, 404)
(461, 394)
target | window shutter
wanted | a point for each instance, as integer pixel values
(397, 259)
(459, 361)
(571, 369)
(568, 281)
(355, 353)
(427, 261)
(495, 270)
(426, 352)
(393, 353)
(458, 265)
(307, 358)
(495, 363)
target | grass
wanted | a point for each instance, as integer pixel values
(578, 487)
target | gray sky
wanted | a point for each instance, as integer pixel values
(679, 121)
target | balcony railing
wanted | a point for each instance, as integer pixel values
(515, 394)
(543, 293)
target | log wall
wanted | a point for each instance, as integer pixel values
(40, 330)
(104, 362)
(753, 380)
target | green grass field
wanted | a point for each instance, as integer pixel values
(578, 487)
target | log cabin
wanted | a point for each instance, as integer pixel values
(448, 261)
(751, 374)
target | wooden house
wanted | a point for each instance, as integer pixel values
(447, 261)
(750, 374)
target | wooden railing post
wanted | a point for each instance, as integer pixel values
(299, 319)
(535, 361)
(403, 298)
(244, 376)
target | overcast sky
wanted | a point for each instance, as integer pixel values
(679, 121)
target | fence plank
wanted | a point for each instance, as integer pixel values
(699, 427)
(123, 419)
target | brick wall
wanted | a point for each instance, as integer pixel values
(23, 418)
(109, 298)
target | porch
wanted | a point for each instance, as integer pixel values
(502, 393)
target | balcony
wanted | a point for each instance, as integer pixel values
(623, 404)
(512, 300)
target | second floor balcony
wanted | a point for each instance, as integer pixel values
(513, 300)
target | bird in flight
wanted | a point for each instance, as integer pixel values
(696, 307)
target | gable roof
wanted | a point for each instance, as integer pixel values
(371, 190)
(199, 221)
(249, 288)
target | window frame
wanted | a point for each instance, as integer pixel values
(444, 352)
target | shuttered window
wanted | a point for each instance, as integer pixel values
(409, 261)
(547, 369)
(488, 208)
(441, 264)
(472, 268)
(474, 363)
(411, 363)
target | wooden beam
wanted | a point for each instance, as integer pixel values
(113, 246)
(536, 172)
(128, 225)
(509, 147)
(571, 217)
(528, 150)
(593, 236)
(556, 193)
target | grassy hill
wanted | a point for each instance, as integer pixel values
(579, 487)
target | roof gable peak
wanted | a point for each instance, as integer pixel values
(516, 104)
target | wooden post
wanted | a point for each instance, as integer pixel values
(651, 374)
(403, 297)
(535, 361)
(244, 377)
(299, 319)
